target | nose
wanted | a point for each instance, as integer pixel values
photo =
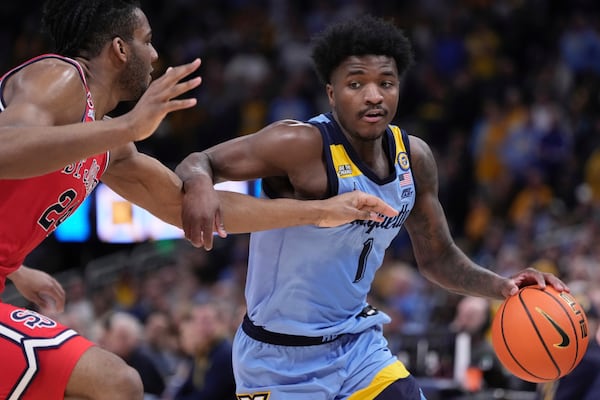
(154, 55)
(373, 94)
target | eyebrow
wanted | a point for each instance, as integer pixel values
(361, 71)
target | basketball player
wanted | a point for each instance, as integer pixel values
(309, 332)
(50, 161)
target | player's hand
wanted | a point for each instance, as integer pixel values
(40, 288)
(531, 276)
(161, 98)
(351, 206)
(201, 213)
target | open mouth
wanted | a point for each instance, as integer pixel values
(373, 115)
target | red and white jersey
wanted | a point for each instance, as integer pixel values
(32, 208)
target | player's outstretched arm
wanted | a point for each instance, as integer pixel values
(243, 213)
(265, 154)
(148, 183)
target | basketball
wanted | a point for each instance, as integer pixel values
(540, 335)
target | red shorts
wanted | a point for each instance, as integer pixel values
(37, 355)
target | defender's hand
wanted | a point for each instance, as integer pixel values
(40, 288)
(161, 99)
(201, 213)
(351, 206)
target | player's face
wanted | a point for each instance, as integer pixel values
(137, 74)
(363, 95)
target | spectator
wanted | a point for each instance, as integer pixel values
(122, 334)
(204, 338)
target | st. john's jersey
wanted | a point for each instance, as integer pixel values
(32, 208)
(314, 281)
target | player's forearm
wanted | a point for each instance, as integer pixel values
(144, 181)
(455, 272)
(36, 150)
(242, 214)
(18, 275)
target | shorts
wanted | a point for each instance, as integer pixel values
(353, 366)
(37, 355)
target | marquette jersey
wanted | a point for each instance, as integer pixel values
(314, 281)
(32, 208)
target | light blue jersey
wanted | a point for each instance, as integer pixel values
(309, 333)
(314, 281)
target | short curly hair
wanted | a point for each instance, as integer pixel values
(82, 28)
(357, 37)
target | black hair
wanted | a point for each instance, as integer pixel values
(83, 27)
(357, 37)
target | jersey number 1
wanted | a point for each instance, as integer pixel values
(362, 260)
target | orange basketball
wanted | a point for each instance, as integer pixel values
(540, 335)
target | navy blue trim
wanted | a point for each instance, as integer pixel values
(406, 143)
(335, 135)
(332, 181)
(281, 339)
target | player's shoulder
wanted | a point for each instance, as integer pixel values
(423, 162)
(292, 124)
(52, 67)
(419, 147)
(56, 75)
(291, 134)
(292, 128)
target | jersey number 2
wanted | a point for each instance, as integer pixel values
(59, 211)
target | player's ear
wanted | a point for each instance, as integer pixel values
(119, 48)
(330, 96)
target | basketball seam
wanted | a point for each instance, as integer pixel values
(573, 327)
(520, 298)
(542, 341)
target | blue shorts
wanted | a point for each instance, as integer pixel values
(353, 367)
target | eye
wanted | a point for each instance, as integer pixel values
(354, 85)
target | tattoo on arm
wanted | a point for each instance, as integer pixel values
(438, 257)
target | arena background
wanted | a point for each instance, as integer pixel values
(505, 92)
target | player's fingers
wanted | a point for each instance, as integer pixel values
(509, 288)
(556, 282)
(530, 276)
(59, 295)
(175, 74)
(192, 233)
(50, 302)
(169, 94)
(207, 234)
(376, 205)
(175, 105)
(183, 87)
(219, 226)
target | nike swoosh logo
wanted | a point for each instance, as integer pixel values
(565, 338)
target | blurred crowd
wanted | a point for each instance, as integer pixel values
(506, 92)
